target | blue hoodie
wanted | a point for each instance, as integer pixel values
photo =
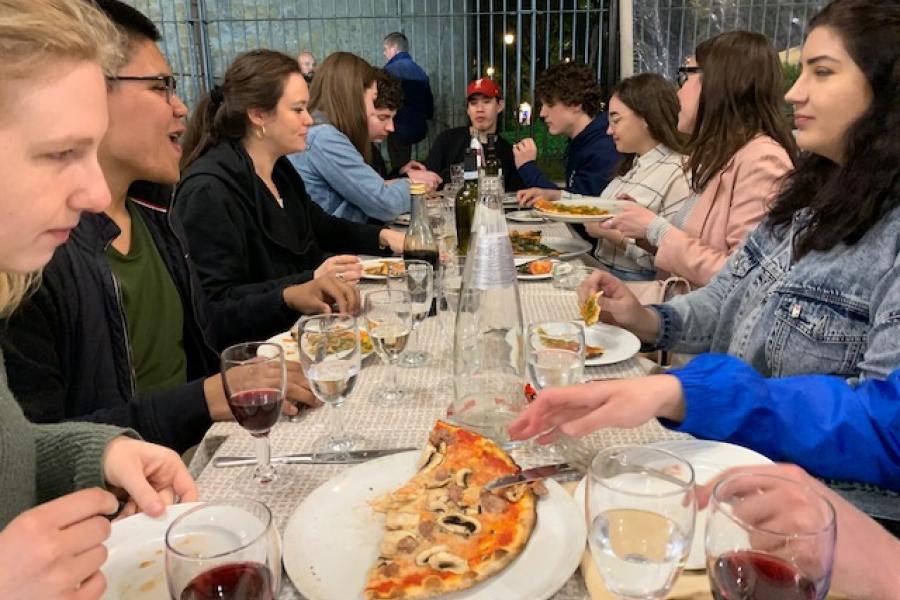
(590, 160)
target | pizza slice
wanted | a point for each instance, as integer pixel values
(443, 531)
(590, 310)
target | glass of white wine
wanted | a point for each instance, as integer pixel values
(640, 508)
(330, 356)
(388, 315)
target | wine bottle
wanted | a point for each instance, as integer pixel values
(466, 201)
(419, 243)
(489, 358)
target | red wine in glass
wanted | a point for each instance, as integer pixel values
(748, 575)
(236, 581)
(257, 410)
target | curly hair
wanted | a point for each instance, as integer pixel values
(846, 200)
(571, 84)
(390, 91)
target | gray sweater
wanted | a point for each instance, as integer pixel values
(41, 462)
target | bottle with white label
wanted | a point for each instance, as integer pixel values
(489, 358)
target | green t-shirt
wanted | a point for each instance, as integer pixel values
(153, 310)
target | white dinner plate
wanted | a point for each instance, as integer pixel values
(612, 206)
(333, 537)
(568, 247)
(529, 276)
(524, 216)
(618, 344)
(374, 262)
(708, 459)
(510, 199)
(292, 352)
(135, 568)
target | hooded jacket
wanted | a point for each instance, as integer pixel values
(67, 351)
(247, 249)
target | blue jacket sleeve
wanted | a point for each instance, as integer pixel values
(532, 177)
(343, 167)
(817, 421)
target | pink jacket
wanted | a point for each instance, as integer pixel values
(733, 203)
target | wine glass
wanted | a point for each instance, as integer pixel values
(640, 508)
(769, 537)
(418, 280)
(389, 321)
(330, 356)
(224, 550)
(254, 378)
(554, 353)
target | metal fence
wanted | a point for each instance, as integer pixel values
(667, 31)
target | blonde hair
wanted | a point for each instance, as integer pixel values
(36, 35)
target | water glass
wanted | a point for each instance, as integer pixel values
(254, 377)
(769, 537)
(640, 508)
(224, 550)
(568, 276)
(388, 316)
(418, 280)
(330, 357)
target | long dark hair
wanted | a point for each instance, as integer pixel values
(846, 200)
(741, 98)
(653, 98)
(254, 80)
(337, 91)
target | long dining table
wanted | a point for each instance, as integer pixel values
(406, 424)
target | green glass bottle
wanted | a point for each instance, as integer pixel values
(466, 202)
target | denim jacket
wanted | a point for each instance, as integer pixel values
(832, 312)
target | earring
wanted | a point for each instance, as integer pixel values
(261, 132)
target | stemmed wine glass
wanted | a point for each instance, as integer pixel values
(330, 356)
(554, 353)
(226, 550)
(418, 280)
(640, 508)
(254, 378)
(389, 321)
(769, 537)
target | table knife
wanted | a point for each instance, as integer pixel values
(558, 472)
(310, 458)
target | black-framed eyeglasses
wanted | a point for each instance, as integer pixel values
(683, 73)
(167, 81)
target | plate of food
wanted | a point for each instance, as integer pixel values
(419, 525)
(577, 211)
(535, 270)
(708, 459)
(377, 268)
(534, 243)
(524, 216)
(136, 565)
(292, 353)
(609, 344)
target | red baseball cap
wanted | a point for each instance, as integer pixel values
(485, 87)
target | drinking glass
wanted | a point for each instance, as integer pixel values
(224, 550)
(769, 537)
(388, 316)
(330, 356)
(568, 276)
(418, 280)
(554, 353)
(254, 378)
(640, 508)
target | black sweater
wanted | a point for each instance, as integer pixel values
(67, 351)
(247, 249)
(450, 148)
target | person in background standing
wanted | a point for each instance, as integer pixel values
(307, 62)
(411, 123)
